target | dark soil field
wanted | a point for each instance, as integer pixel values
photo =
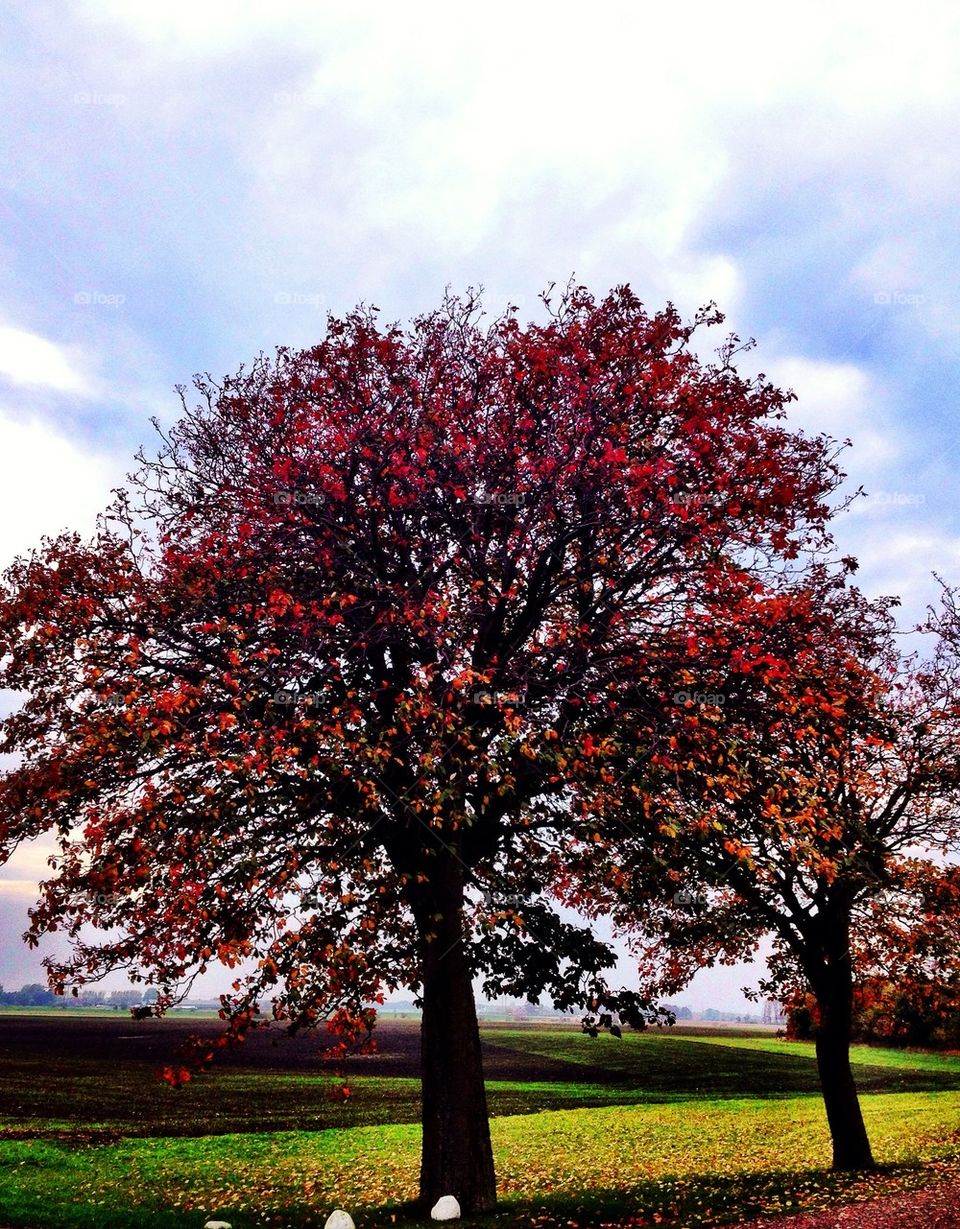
(100, 1075)
(116, 1036)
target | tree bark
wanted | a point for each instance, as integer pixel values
(851, 1145)
(457, 1157)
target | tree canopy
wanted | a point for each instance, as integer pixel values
(380, 620)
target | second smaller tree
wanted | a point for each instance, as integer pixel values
(804, 792)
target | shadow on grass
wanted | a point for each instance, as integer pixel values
(703, 1201)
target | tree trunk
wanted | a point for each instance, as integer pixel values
(851, 1146)
(457, 1157)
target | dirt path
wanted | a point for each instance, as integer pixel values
(935, 1207)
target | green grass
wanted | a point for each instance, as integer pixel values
(230, 1103)
(697, 1128)
(697, 1164)
(701, 1064)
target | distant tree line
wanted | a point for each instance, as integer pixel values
(36, 995)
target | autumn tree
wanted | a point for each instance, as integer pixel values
(907, 989)
(358, 640)
(803, 791)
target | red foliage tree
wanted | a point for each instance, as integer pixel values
(803, 789)
(356, 645)
(907, 986)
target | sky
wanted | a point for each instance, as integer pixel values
(184, 185)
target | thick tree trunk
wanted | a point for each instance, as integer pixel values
(851, 1146)
(457, 1157)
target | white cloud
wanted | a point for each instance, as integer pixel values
(27, 864)
(889, 268)
(22, 888)
(902, 561)
(893, 528)
(841, 400)
(515, 144)
(48, 483)
(28, 359)
(212, 28)
(22, 873)
(876, 61)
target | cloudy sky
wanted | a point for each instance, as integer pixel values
(184, 185)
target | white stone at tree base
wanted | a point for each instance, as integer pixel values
(446, 1208)
(339, 1220)
(217, 1224)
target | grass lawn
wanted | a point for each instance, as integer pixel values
(695, 1129)
(677, 1063)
